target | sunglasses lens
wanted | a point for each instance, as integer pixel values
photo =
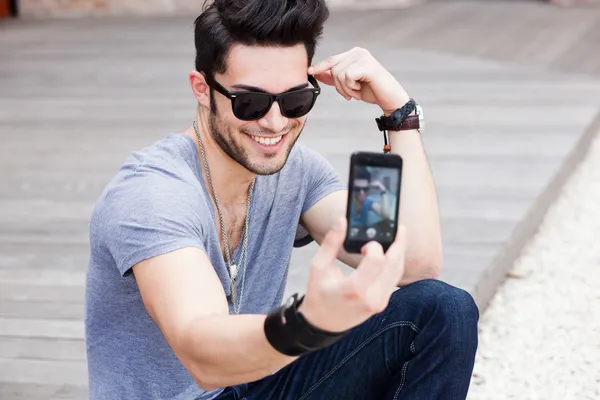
(251, 106)
(297, 104)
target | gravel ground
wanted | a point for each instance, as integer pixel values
(540, 336)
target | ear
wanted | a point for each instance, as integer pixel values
(200, 88)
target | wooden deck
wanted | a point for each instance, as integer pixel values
(509, 89)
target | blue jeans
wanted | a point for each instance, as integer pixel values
(421, 347)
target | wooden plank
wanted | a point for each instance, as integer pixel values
(44, 372)
(20, 391)
(58, 310)
(24, 292)
(13, 347)
(66, 257)
(45, 277)
(70, 392)
(32, 328)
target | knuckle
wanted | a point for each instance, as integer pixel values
(369, 308)
(362, 51)
(353, 74)
(374, 306)
(352, 292)
(382, 305)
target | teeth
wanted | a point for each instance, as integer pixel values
(267, 141)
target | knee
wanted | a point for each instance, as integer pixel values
(449, 310)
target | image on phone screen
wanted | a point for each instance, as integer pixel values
(373, 204)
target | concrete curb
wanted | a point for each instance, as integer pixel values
(495, 273)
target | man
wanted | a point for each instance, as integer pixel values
(191, 240)
(364, 204)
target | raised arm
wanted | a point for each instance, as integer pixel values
(356, 74)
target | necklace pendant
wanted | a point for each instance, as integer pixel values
(233, 270)
(233, 294)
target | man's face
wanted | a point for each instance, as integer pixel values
(361, 187)
(274, 70)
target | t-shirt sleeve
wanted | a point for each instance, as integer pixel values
(145, 213)
(321, 180)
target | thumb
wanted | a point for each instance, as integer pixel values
(325, 78)
(331, 245)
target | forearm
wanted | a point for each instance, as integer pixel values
(418, 208)
(230, 350)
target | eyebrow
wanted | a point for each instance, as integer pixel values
(257, 89)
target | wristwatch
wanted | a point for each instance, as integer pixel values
(420, 118)
(397, 123)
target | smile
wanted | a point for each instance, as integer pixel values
(267, 141)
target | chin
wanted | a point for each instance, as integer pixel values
(270, 165)
(268, 160)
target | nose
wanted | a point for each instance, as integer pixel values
(274, 120)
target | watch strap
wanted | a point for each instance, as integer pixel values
(394, 121)
(411, 122)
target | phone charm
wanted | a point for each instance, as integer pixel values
(386, 146)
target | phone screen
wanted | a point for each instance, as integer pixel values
(373, 198)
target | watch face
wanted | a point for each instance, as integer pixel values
(421, 117)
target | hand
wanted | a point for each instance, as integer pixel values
(357, 74)
(334, 302)
(378, 186)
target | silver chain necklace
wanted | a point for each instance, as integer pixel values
(232, 267)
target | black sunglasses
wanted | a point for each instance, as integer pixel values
(251, 106)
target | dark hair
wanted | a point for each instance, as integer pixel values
(224, 23)
(362, 172)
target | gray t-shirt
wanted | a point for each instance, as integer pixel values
(157, 203)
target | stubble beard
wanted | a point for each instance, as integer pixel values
(223, 136)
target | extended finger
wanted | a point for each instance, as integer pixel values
(326, 64)
(362, 285)
(371, 265)
(331, 245)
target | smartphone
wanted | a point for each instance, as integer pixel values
(373, 199)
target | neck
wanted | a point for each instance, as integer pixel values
(230, 180)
